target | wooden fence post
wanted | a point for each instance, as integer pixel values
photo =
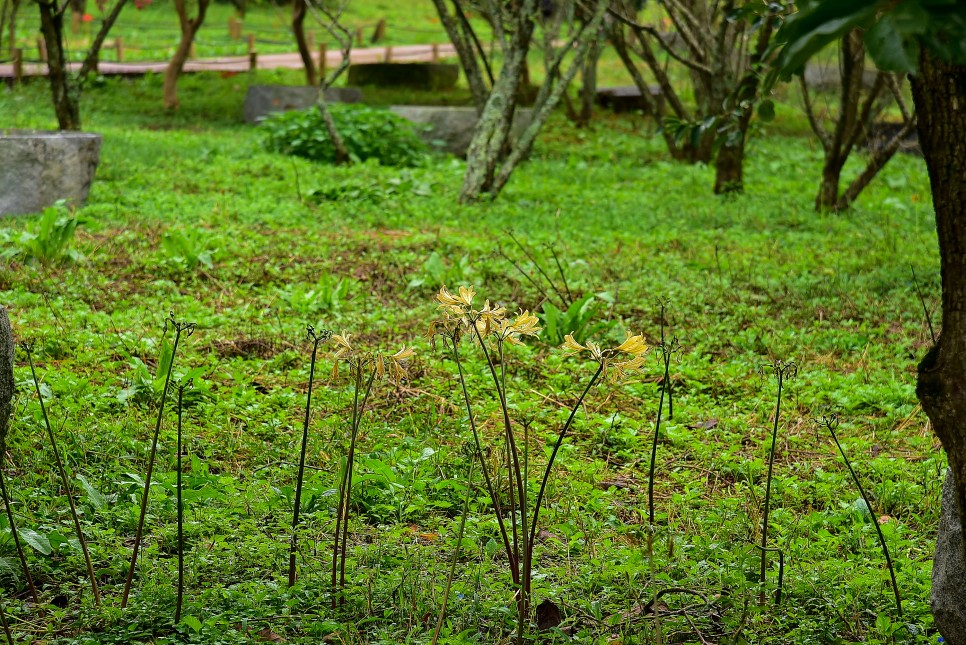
(18, 65)
(252, 61)
(379, 34)
(359, 36)
(119, 46)
(389, 54)
(75, 21)
(435, 52)
(42, 49)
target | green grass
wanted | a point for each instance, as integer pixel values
(750, 278)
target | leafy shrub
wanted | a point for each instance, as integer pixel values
(369, 133)
(46, 240)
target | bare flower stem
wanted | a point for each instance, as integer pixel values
(16, 538)
(179, 328)
(65, 481)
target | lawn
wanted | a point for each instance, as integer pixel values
(190, 215)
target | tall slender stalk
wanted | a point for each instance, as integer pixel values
(528, 561)
(16, 538)
(830, 423)
(666, 385)
(666, 350)
(180, 499)
(782, 372)
(64, 479)
(179, 328)
(341, 534)
(514, 565)
(456, 551)
(6, 625)
(317, 339)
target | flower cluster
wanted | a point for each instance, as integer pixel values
(392, 366)
(616, 362)
(459, 316)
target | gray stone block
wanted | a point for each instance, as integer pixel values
(450, 129)
(825, 77)
(430, 77)
(948, 597)
(39, 168)
(262, 100)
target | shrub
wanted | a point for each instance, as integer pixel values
(368, 133)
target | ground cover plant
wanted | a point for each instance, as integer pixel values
(739, 282)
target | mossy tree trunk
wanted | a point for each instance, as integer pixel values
(492, 156)
(939, 91)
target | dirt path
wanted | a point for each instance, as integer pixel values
(398, 54)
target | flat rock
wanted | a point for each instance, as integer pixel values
(431, 77)
(948, 597)
(450, 129)
(37, 168)
(628, 98)
(262, 100)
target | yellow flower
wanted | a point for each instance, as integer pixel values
(456, 305)
(343, 348)
(634, 346)
(395, 364)
(525, 324)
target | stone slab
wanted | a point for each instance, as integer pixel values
(37, 168)
(450, 129)
(627, 98)
(262, 100)
(430, 77)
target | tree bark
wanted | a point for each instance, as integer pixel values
(94, 53)
(462, 40)
(939, 92)
(298, 28)
(189, 28)
(64, 94)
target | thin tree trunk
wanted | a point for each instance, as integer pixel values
(341, 151)
(729, 166)
(939, 92)
(66, 104)
(94, 53)
(189, 28)
(298, 28)
(828, 190)
(877, 160)
(489, 140)
(466, 53)
(589, 73)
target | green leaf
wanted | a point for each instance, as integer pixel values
(97, 500)
(888, 48)
(192, 623)
(36, 540)
(808, 31)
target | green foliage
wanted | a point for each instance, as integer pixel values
(893, 31)
(582, 319)
(435, 271)
(187, 250)
(368, 133)
(48, 239)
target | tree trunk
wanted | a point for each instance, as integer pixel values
(939, 91)
(341, 152)
(489, 141)
(65, 96)
(298, 27)
(828, 190)
(464, 41)
(588, 91)
(189, 28)
(94, 53)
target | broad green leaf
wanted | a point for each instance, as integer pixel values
(191, 622)
(888, 49)
(97, 500)
(36, 540)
